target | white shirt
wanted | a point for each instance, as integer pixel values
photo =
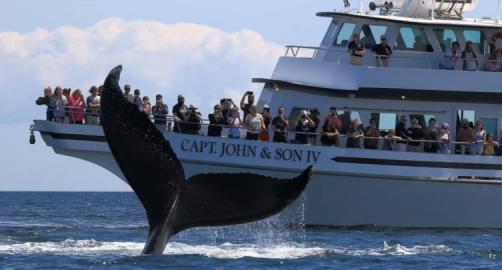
(254, 123)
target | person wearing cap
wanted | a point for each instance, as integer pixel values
(371, 135)
(416, 134)
(192, 121)
(402, 132)
(179, 111)
(354, 134)
(159, 112)
(254, 124)
(465, 135)
(246, 107)
(330, 132)
(216, 122)
(445, 139)
(431, 135)
(303, 127)
(383, 52)
(356, 50)
(127, 93)
(279, 126)
(93, 107)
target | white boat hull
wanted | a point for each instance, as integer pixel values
(339, 194)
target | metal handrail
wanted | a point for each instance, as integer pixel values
(295, 50)
(205, 123)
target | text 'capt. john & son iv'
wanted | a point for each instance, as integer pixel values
(249, 151)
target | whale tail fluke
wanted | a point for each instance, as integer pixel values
(171, 202)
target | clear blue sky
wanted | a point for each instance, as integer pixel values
(26, 65)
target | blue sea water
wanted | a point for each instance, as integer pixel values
(107, 231)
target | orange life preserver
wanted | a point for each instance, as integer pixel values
(496, 43)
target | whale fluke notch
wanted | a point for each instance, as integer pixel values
(171, 202)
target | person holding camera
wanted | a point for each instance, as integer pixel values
(192, 121)
(303, 127)
(254, 124)
(227, 104)
(46, 100)
(216, 122)
(160, 111)
(246, 107)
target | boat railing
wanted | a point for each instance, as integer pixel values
(341, 56)
(169, 123)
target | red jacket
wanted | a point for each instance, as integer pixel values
(77, 106)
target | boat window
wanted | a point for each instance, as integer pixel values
(370, 34)
(445, 37)
(330, 35)
(478, 40)
(413, 39)
(387, 121)
(469, 115)
(345, 35)
(491, 126)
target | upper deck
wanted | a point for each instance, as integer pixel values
(415, 67)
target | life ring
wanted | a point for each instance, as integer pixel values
(496, 43)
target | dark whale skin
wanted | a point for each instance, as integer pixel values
(172, 202)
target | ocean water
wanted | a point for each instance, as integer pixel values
(107, 231)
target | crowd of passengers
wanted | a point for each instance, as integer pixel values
(454, 57)
(66, 106)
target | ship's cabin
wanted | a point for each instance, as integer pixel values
(416, 43)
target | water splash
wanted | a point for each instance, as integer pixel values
(283, 251)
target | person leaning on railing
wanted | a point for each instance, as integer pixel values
(254, 124)
(371, 135)
(354, 134)
(329, 135)
(390, 142)
(59, 103)
(356, 50)
(76, 104)
(383, 52)
(192, 121)
(280, 125)
(93, 107)
(470, 57)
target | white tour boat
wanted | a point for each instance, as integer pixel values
(358, 186)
